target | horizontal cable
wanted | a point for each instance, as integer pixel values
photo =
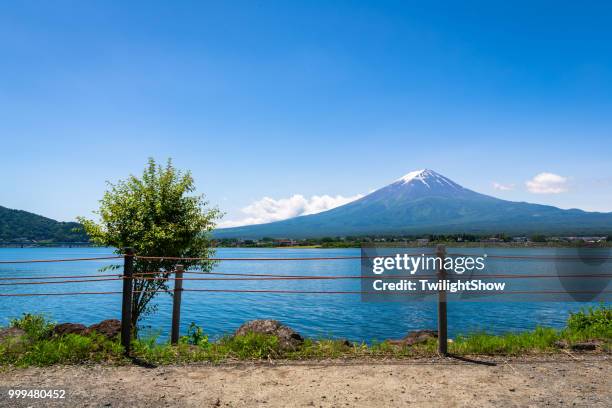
(540, 257)
(246, 259)
(59, 282)
(140, 275)
(377, 292)
(4, 278)
(602, 275)
(59, 294)
(329, 258)
(240, 277)
(314, 292)
(318, 277)
(60, 260)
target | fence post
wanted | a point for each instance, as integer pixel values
(126, 305)
(176, 304)
(442, 322)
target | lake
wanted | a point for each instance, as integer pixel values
(313, 315)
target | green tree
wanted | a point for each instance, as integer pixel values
(159, 216)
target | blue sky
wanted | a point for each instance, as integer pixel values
(273, 99)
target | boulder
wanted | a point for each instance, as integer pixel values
(68, 328)
(110, 328)
(288, 338)
(416, 337)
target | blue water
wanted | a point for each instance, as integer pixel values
(341, 316)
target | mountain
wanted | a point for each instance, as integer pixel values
(424, 202)
(23, 226)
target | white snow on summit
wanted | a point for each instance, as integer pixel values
(426, 176)
(417, 174)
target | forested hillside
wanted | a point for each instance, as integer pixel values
(23, 226)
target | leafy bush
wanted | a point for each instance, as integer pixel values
(591, 318)
(36, 326)
(592, 322)
(195, 336)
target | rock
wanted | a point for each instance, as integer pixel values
(562, 344)
(68, 328)
(11, 333)
(587, 345)
(288, 338)
(110, 328)
(416, 337)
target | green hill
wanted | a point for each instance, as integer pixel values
(23, 226)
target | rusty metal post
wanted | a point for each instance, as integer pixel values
(126, 305)
(176, 304)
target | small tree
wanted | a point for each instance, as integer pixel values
(158, 216)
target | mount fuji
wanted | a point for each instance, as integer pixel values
(423, 202)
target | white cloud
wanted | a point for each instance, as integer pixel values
(547, 183)
(268, 209)
(503, 187)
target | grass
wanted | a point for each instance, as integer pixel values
(38, 348)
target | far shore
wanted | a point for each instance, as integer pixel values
(387, 244)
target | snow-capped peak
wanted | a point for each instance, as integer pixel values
(427, 177)
(412, 175)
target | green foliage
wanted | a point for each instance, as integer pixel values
(249, 346)
(23, 226)
(327, 348)
(71, 349)
(195, 336)
(591, 322)
(157, 215)
(38, 348)
(541, 339)
(36, 326)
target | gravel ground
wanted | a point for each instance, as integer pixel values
(584, 381)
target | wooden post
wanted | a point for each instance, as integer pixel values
(126, 305)
(442, 322)
(176, 304)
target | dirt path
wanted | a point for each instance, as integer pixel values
(534, 382)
